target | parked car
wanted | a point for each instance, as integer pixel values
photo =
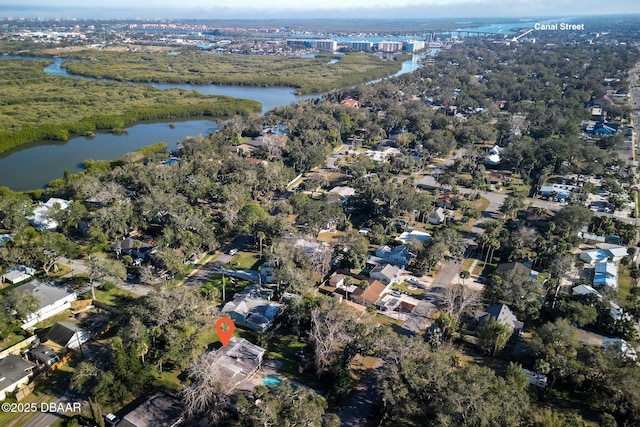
(233, 251)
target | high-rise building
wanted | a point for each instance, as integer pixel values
(360, 45)
(389, 46)
(330, 45)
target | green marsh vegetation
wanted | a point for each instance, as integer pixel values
(307, 75)
(34, 105)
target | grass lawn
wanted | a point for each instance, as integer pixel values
(624, 283)
(114, 297)
(404, 287)
(11, 339)
(330, 237)
(232, 285)
(283, 347)
(481, 204)
(246, 261)
(62, 270)
(64, 316)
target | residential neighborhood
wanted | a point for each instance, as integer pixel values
(383, 253)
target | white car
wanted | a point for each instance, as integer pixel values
(232, 252)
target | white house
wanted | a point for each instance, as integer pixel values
(420, 236)
(585, 290)
(400, 255)
(437, 217)
(615, 252)
(19, 274)
(619, 347)
(53, 300)
(591, 256)
(494, 156)
(14, 373)
(40, 219)
(67, 334)
(386, 273)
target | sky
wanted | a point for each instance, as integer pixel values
(282, 9)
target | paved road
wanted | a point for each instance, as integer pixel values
(360, 402)
(67, 400)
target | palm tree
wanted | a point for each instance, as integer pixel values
(141, 349)
(260, 235)
(464, 274)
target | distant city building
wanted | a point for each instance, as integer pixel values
(329, 45)
(360, 45)
(415, 45)
(390, 47)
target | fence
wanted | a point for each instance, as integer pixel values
(17, 347)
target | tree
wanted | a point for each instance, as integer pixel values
(100, 269)
(571, 219)
(282, 405)
(493, 336)
(555, 346)
(464, 274)
(206, 395)
(329, 331)
(458, 300)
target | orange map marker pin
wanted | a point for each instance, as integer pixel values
(224, 328)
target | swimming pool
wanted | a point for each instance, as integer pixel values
(271, 381)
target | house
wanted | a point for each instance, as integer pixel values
(370, 295)
(437, 217)
(237, 362)
(605, 274)
(503, 314)
(19, 274)
(67, 334)
(536, 379)
(343, 191)
(133, 247)
(400, 256)
(448, 200)
(253, 308)
(619, 348)
(591, 256)
(4, 238)
(43, 355)
(40, 219)
(163, 409)
(350, 102)
(582, 290)
(14, 373)
(615, 252)
(519, 267)
(420, 236)
(337, 280)
(53, 300)
(493, 156)
(386, 273)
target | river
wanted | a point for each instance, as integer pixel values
(34, 165)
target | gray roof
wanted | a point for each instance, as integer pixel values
(62, 332)
(44, 354)
(46, 293)
(387, 270)
(253, 306)
(503, 314)
(163, 409)
(238, 360)
(12, 369)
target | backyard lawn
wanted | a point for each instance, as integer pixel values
(246, 261)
